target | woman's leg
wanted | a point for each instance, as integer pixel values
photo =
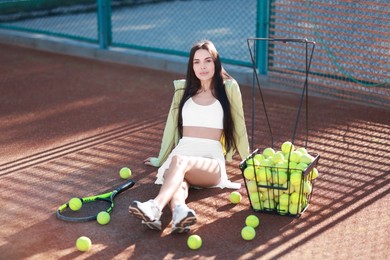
(197, 171)
(180, 196)
(201, 172)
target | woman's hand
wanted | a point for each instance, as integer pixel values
(147, 161)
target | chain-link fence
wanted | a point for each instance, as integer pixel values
(352, 55)
(351, 58)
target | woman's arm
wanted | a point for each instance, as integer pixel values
(240, 133)
(171, 133)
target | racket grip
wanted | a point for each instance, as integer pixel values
(125, 186)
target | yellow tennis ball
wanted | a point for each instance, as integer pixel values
(252, 186)
(294, 198)
(282, 209)
(269, 204)
(235, 197)
(194, 242)
(103, 218)
(268, 152)
(259, 157)
(280, 177)
(295, 156)
(296, 178)
(125, 173)
(257, 205)
(277, 157)
(255, 197)
(75, 204)
(287, 147)
(307, 158)
(248, 233)
(83, 243)
(294, 209)
(252, 221)
(252, 162)
(284, 199)
(302, 150)
(313, 174)
(249, 172)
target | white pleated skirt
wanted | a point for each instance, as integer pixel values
(199, 147)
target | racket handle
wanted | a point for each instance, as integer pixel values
(125, 186)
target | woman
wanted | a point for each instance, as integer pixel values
(205, 123)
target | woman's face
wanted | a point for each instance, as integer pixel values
(203, 65)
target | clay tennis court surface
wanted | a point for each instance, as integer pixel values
(69, 124)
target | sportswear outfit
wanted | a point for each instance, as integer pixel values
(194, 114)
(190, 146)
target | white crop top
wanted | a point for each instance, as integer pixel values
(204, 116)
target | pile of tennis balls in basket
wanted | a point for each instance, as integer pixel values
(275, 179)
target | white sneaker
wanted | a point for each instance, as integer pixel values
(183, 217)
(148, 212)
(156, 225)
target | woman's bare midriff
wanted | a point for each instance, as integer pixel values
(202, 132)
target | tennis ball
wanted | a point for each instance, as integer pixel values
(304, 202)
(194, 242)
(307, 158)
(287, 147)
(252, 221)
(290, 189)
(294, 198)
(266, 195)
(282, 166)
(313, 174)
(248, 233)
(235, 197)
(252, 162)
(263, 174)
(103, 218)
(252, 186)
(296, 178)
(257, 205)
(249, 172)
(268, 152)
(277, 157)
(292, 166)
(259, 157)
(75, 204)
(280, 177)
(302, 150)
(125, 173)
(263, 183)
(284, 199)
(255, 197)
(294, 209)
(307, 187)
(269, 204)
(266, 162)
(282, 209)
(302, 166)
(83, 243)
(295, 156)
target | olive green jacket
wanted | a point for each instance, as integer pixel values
(171, 133)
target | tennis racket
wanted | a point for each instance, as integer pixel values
(92, 205)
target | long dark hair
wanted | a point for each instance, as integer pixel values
(193, 85)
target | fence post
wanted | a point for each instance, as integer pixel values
(262, 31)
(104, 23)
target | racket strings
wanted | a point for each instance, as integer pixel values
(88, 210)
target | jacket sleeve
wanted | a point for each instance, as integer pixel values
(240, 133)
(171, 133)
